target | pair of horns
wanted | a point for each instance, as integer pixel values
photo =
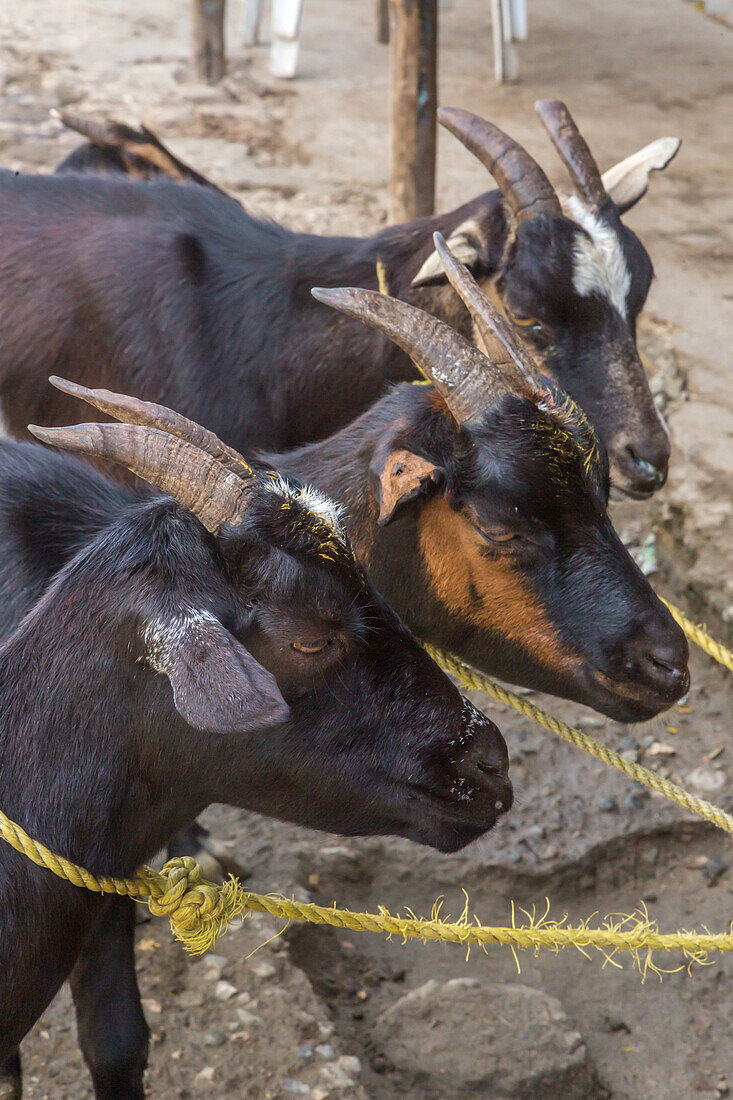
(167, 450)
(466, 378)
(525, 187)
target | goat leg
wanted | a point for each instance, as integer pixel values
(113, 1034)
(11, 1083)
(209, 852)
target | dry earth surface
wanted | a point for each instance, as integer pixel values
(321, 1014)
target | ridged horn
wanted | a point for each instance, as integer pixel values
(129, 143)
(131, 410)
(524, 185)
(457, 369)
(503, 347)
(194, 479)
(573, 150)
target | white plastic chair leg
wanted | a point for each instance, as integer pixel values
(286, 16)
(252, 21)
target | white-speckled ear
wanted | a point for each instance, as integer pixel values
(628, 181)
(218, 686)
(463, 243)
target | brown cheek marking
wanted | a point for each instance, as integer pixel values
(458, 572)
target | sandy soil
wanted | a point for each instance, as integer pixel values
(299, 1017)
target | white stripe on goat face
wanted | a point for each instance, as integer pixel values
(599, 264)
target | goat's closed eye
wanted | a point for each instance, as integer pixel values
(310, 647)
(497, 535)
(522, 321)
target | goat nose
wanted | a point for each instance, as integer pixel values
(484, 765)
(641, 468)
(649, 465)
(657, 655)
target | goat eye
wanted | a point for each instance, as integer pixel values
(518, 319)
(498, 535)
(311, 647)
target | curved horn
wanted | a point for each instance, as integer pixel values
(457, 369)
(131, 410)
(503, 347)
(521, 181)
(573, 150)
(196, 480)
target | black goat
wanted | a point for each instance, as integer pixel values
(566, 271)
(479, 509)
(222, 646)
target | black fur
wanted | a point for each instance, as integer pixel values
(97, 762)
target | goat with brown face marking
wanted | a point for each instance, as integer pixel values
(479, 507)
(489, 526)
(174, 292)
(220, 646)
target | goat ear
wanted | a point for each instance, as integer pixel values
(628, 181)
(399, 477)
(465, 244)
(218, 686)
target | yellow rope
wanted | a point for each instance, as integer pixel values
(199, 910)
(701, 638)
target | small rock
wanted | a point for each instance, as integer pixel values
(214, 960)
(214, 1038)
(591, 721)
(295, 1088)
(608, 805)
(204, 1077)
(631, 756)
(151, 1005)
(324, 1050)
(661, 748)
(247, 1017)
(224, 991)
(264, 971)
(706, 779)
(305, 1051)
(341, 1073)
(190, 998)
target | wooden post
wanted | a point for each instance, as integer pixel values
(208, 40)
(413, 69)
(382, 13)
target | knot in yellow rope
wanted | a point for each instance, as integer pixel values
(199, 910)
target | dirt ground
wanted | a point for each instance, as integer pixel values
(312, 1013)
